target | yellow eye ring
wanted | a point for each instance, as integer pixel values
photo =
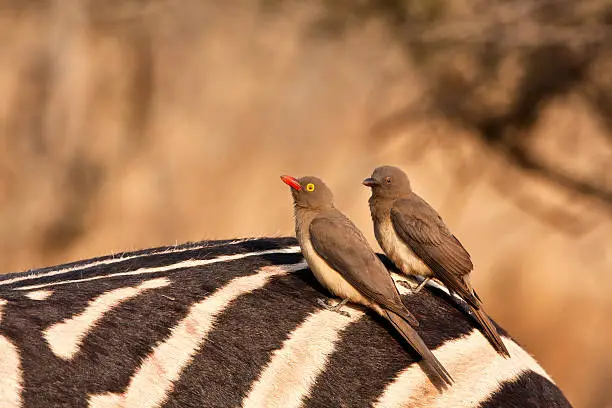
(310, 187)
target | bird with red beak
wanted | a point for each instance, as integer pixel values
(343, 262)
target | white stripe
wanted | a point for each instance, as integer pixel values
(39, 294)
(65, 337)
(11, 376)
(183, 264)
(109, 261)
(293, 369)
(153, 381)
(477, 369)
(3, 302)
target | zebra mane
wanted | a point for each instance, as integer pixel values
(234, 323)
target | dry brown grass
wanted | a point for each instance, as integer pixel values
(124, 126)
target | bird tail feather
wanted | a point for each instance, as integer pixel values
(417, 343)
(490, 332)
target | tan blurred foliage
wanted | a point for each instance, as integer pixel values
(129, 124)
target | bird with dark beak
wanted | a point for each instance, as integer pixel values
(416, 239)
(343, 262)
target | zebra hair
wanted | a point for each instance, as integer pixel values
(235, 323)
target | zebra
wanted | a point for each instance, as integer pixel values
(235, 323)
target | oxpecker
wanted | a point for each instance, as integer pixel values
(416, 239)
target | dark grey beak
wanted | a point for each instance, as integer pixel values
(370, 182)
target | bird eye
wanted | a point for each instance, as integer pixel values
(388, 180)
(310, 187)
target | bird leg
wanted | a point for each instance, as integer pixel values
(334, 308)
(420, 286)
(406, 284)
(411, 286)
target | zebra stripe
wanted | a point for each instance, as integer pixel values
(39, 294)
(152, 257)
(130, 323)
(164, 365)
(529, 390)
(65, 338)
(287, 379)
(166, 268)
(244, 340)
(234, 324)
(492, 370)
(10, 370)
(362, 368)
(111, 259)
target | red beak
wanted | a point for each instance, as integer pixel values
(291, 182)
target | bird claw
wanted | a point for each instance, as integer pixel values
(406, 284)
(324, 303)
(343, 313)
(412, 287)
(327, 304)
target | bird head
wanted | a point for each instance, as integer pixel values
(388, 182)
(309, 192)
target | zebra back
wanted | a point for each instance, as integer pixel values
(234, 324)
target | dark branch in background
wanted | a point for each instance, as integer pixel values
(556, 43)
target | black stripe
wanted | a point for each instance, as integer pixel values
(242, 343)
(147, 251)
(153, 259)
(530, 390)
(370, 354)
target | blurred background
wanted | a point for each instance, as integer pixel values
(127, 124)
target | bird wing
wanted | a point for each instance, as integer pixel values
(336, 239)
(423, 230)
